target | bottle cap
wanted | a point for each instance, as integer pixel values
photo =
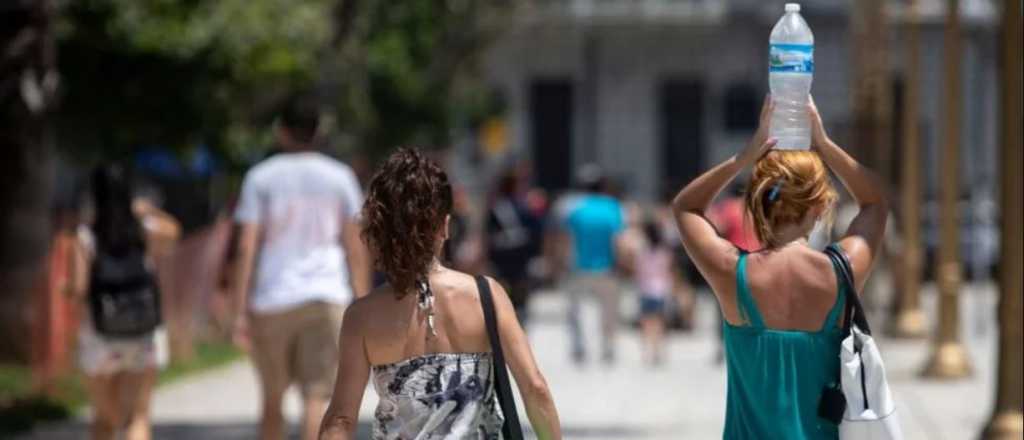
(792, 7)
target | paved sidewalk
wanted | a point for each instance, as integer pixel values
(685, 398)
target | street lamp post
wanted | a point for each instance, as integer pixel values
(910, 320)
(949, 359)
(1007, 421)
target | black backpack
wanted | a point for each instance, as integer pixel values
(124, 299)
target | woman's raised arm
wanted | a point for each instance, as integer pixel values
(713, 254)
(864, 237)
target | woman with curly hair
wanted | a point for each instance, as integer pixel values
(422, 335)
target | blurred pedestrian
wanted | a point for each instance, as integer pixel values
(512, 241)
(463, 250)
(593, 220)
(122, 342)
(781, 305)
(422, 337)
(299, 244)
(729, 215)
(654, 279)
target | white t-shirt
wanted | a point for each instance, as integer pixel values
(301, 201)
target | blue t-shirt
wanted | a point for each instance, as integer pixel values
(594, 221)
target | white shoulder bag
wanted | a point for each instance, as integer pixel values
(870, 411)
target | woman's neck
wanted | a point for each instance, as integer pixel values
(791, 233)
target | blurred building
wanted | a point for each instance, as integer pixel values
(658, 90)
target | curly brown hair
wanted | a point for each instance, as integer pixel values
(406, 205)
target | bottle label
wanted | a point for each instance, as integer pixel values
(792, 58)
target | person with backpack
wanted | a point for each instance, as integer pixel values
(122, 342)
(513, 240)
(434, 341)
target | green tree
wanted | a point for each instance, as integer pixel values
(407, 72)
(181, 72)
(28, 88)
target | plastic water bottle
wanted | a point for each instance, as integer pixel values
(790, 71)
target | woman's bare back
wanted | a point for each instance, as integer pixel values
(793, 287)
(401, 331)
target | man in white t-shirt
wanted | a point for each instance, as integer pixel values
(298, 229)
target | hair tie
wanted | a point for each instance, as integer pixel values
(774, 193)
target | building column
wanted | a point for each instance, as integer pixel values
(1007, 421)
(949, 359)
(909, 319)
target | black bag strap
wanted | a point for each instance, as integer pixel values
(502, 387)
(854, 311)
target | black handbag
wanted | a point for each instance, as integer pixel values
(511, 430)
(124, 299)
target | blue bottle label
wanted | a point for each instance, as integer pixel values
(793, 58)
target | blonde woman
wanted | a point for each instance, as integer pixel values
(782, 305)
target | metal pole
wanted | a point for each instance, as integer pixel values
(910, 319)
(1007, 421)
(949, 359)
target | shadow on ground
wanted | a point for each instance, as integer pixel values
(174, 431)
(620, 432)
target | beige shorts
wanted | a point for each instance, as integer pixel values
(297, 346)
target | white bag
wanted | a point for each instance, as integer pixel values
(870, 411)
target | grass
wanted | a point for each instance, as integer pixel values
(21, 408)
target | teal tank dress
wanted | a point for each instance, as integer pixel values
(775, 377)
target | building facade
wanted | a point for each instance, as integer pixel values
(656, 91)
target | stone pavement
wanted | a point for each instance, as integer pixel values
(685, 398)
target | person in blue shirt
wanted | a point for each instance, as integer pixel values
(593, 220)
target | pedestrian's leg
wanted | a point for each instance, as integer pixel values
(647, 327)
(574, 290)
(103, 395)
(522, 305)
(658, 338)
(271, 418)
(140, 386)
(608, 291)
(316, 362)
(313, 409)
(271, 353)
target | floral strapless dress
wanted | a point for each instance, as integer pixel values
(438, 396)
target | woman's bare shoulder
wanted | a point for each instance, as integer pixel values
(458, 285)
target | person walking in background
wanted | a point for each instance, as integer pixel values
(299, 244)
(781, 304)
(121, 340)
(593, 220)
(729, 215)
(513, 240)
(422, 337)
(654, 280)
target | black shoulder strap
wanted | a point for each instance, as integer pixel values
(854, 313)
(502, 387)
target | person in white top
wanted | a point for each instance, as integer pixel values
(298, 230)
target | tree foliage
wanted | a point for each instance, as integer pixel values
(183, 72)
(419, 61)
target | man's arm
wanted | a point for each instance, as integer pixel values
(358, 258)
(248, 240)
